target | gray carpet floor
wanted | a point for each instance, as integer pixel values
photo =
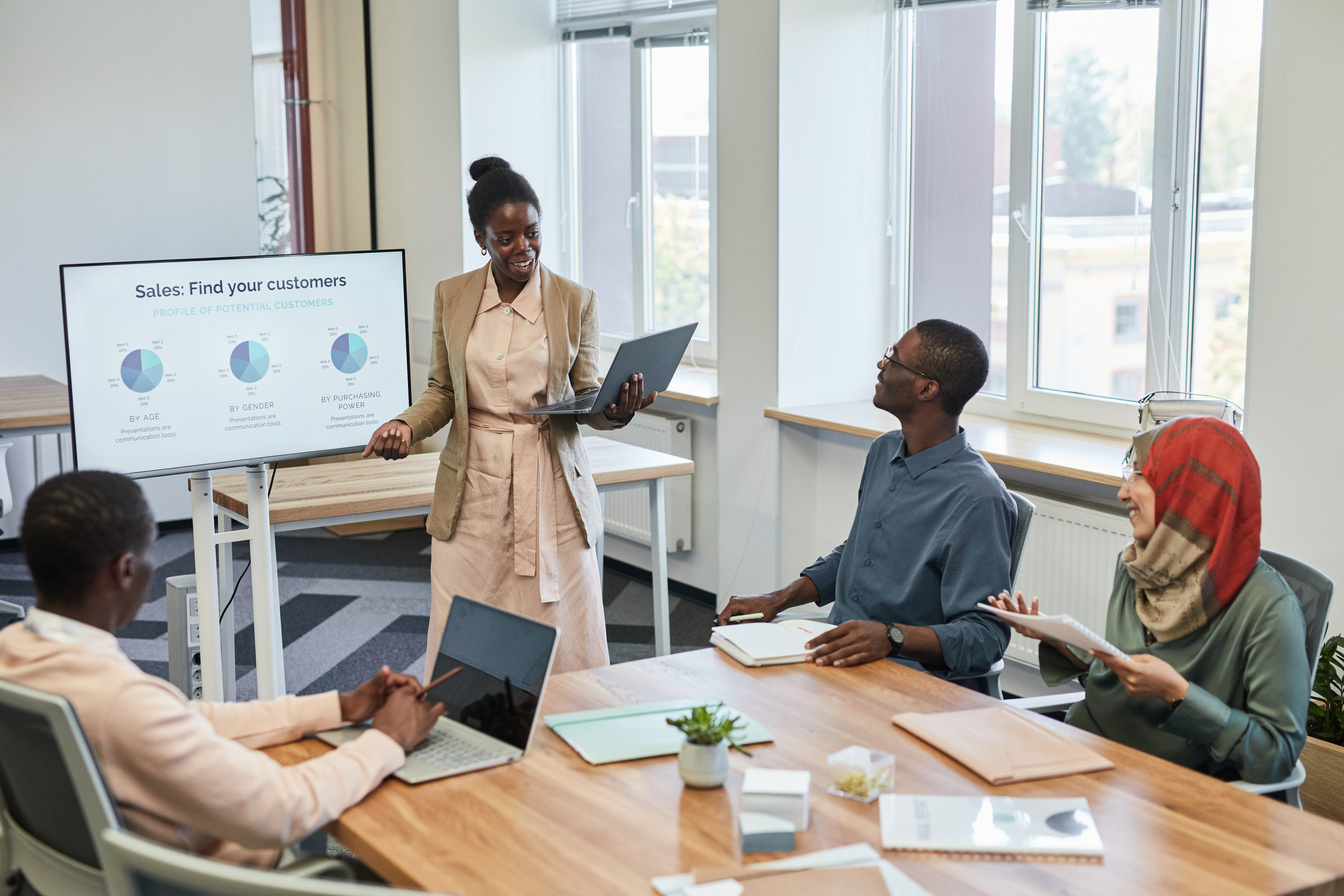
(350, 605)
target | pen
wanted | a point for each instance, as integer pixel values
(746, 617)
(438, 681)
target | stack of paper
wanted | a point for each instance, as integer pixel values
(778, 792)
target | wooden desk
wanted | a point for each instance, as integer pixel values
(554, 824)
(373, 489)
(31, 407)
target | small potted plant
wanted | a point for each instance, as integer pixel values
(1323, 755)
(703, 757)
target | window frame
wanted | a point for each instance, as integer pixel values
(1173, 232)
(704, 347)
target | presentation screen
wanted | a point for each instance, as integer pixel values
(211, 363)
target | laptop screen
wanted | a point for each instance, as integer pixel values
(504, 660)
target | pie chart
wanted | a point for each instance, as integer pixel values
(249, 361)
(349, 352)
(141, 370)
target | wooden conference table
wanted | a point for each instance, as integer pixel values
(31, 407)
(554, 824)
(373, 489)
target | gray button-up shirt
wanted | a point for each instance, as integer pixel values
(932, 537)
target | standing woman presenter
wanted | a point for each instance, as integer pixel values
(515, 514)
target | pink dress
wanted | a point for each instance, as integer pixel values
(517, 544)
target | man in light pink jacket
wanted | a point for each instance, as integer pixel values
(183, 773)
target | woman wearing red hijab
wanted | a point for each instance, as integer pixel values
(1216, 678)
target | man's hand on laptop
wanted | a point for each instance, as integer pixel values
(406, 716)
(632, 399)
(361, 703)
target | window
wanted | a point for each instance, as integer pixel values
(640, 185)
(279, 94)
(1071, 133)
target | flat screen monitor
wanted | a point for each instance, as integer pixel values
(203, 364)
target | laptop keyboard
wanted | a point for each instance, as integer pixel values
(578, 401)
(444, 750)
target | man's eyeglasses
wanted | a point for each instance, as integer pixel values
(890, 358)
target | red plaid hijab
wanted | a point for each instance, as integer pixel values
(1207, 540)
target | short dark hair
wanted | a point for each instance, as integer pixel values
(76, 524)
(496, 184)
(955, 357)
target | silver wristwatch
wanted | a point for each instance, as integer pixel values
(897, 638)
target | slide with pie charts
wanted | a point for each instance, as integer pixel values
(210, 363)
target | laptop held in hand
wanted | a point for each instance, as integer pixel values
(655, 355)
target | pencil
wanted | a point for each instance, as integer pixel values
(438, 681)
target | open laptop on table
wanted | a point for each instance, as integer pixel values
(655, 355)
(492, 703)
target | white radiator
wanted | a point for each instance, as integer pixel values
(1069, 563)
(627, 511)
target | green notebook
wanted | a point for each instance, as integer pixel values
(637, 731)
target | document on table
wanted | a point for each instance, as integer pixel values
(854, 856)
(989, 824)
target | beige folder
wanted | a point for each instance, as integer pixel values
(1002, 745)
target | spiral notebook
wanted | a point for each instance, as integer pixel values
(989, 824)
(1061, 626)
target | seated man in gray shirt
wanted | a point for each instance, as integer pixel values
(933, 532)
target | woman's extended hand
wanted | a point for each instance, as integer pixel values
(1144, 675)
(631, 399)
(1003, 602)
(391, 441)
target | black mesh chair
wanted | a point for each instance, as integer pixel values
(54, 804)
(138, 867)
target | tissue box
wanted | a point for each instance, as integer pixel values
(777, 792)
(764, 833)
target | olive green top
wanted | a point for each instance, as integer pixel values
(1246, 711)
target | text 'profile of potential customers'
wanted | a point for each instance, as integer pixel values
(203, 364)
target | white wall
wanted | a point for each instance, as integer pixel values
(417, 148)
(834, 191)
(510, 65)
(1293, 366)
(127, 134)
(747, 54)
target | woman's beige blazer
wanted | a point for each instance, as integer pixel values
(570, 312)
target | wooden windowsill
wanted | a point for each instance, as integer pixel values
(697, 385)
(1050, 450)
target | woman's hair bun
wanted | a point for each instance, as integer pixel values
(479, 167)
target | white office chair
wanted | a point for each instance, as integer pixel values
(53, 801)
(1315, 592)
(137, 867)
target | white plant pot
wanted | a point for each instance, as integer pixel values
(704, 765)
